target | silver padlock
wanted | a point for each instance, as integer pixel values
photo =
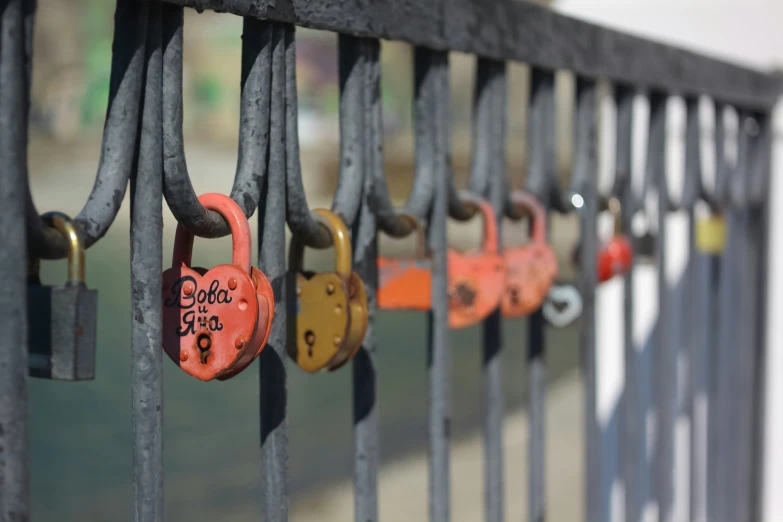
(61, 321)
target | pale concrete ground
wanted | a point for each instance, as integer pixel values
(403, 483)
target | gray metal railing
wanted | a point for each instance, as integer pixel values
(143, 144)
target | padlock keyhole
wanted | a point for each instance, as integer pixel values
(204, 343)
(309, 338)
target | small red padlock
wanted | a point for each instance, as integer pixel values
(217, 321)
(476, 278)
(615, 257)
(531, 268)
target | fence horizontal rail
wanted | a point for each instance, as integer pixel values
(518, 31)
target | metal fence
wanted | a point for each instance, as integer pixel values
(143, 146)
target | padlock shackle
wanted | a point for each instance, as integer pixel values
(241, 239)
(476, 204)
(341, 240)
(527, 203)
(66, 227)
(614, 207)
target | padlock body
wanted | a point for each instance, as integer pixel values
(61, 332)
(266, 313)
(615, 258)
(476, 285)
(404, 284)
(357, 323)
(209, 318)
(531, 269)
(319, 323)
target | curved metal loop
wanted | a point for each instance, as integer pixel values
(585, 138)
(740, 174)
(624, 97)
(488, 137)
(655, 172)
(761, 153)
(302, 224)
(118, 142)
(719, 199)
(348, 196)
(254, 117)
(541, 142)
(692, 187)
(401, 222)
(622, 186)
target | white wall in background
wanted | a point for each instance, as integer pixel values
(747, 31)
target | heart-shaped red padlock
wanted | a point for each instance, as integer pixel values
(531, 268)
(217, 321)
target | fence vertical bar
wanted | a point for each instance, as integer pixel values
(585, 184)
(365, 261)
(273, 394)
(631, 427)
(14, 452)
(433, 123)
(715, 457)
(353, 163)
(745, 352)
(146, 236)
(760, 189)
(663, 360)
(536, 341)
(700, 285)
(490, 101)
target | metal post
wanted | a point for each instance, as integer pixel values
(14, 452)
(584, 183)
(353, 163)
(433, 101)
(146, 269)
(273, 398)
(490, 103)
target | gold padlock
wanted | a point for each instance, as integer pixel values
(327, 327)
(711, 234)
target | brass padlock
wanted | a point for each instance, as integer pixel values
(711, 234)
(61, 321)
(327, 327)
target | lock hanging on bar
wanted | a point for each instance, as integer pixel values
(615, 257)
(216, 321)
(62, 320)
(327, 327)
(531, 268)
(476, 277)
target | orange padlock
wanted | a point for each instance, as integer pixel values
(476, 278)
(217, 321)
(531, 268)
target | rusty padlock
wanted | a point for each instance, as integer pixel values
(216, 321)
(61, 321)
(406, 284)
(476, 277)
(531, 268)
(327, 327)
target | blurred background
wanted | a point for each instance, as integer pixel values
(81, 433)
